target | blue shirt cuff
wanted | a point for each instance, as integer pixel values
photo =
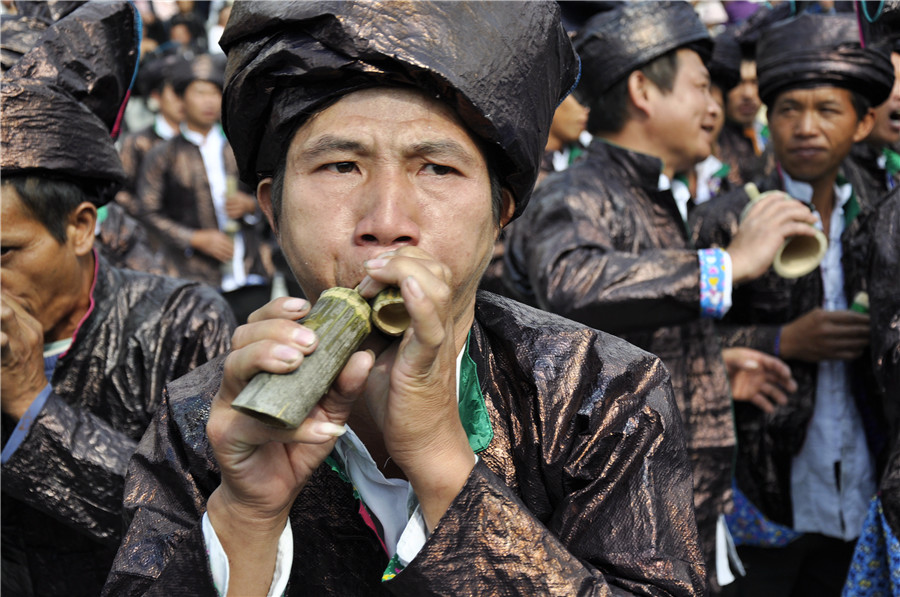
(24, 425)
(715, 282)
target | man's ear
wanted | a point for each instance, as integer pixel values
(81, 228)
(507, 207)
(864, 126)
(264, 196)
(640, 91)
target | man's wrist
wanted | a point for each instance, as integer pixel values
(437, 484)
(229, 517)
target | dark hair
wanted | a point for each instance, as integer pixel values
(608, 113)
(49, 200)
(860, 103)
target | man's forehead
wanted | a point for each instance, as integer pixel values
(412, 120)
(816, 93)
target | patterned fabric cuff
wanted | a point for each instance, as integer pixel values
(24, 424)
(749, 526)
(715, 282)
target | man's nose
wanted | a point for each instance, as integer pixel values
(806, 123)
(390, 211)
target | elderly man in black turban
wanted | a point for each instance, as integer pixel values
(806, 472)
(494, 449)
(606, 243)
(86, 348)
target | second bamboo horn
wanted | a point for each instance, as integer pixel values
(342, 319)
(798, 255)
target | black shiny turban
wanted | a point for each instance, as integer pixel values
(20, 31)
(502, 66)
(813, 50)
(725, 64)
(205, 67)
(614, 43)
(63, 101)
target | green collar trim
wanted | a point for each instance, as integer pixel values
(851, 208)
(723, 171)
(891, 161)
(472, 409)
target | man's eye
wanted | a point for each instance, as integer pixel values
(439, 170)
(341, 167)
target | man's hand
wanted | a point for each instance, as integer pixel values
(821, 335)
(264, 468)
(758, 378)
(214, 243)
(239, 204)
(21, 354)
(411, 392)
(769, 222)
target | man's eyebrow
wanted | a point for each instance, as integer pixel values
(442, 147)
(331, 143)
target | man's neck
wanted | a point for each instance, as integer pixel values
(81, 302)
(823, 195)
(173, 124)
(199, 129)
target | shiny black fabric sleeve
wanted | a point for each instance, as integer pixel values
(164, 502)
(577, 267)
(151, 195)
(71, 466)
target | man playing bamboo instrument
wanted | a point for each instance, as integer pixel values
(495, 449)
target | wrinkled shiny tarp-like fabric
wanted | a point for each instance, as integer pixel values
(583, 490)
(767, 442)
(62, 487)
(883, 261)
(288, 59)
(601, 245)
(614, 43)
(174, 200)
(813, 50)
(132, 150)
(124, 242)
(862, 170)
(62, 99)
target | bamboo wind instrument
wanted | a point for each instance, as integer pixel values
(799, 255)
(342, 320)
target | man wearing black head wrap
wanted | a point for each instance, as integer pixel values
(495, 449)
(606, 243)
(188, 196)
(86, 348)
(873, 165)
(806, 472)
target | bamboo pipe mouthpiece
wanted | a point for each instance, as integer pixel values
(389, 313)
(799, 255)
(342, 319)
